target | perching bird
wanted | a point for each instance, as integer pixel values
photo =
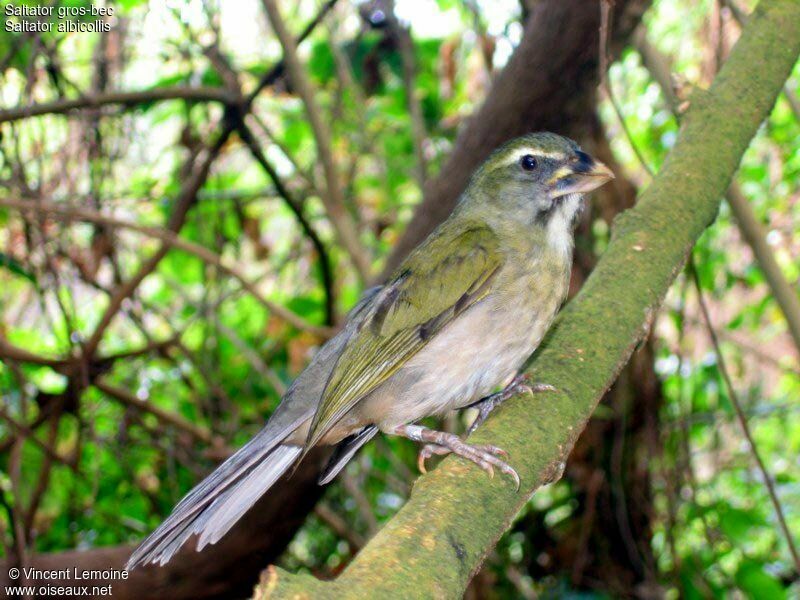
(455, 321)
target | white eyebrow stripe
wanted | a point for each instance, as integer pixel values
(518, 154)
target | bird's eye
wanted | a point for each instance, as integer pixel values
(528, 162)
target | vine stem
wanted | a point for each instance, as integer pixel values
(740, 415)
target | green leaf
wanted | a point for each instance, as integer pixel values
(758, 584)
(736, 523)
(127, 5)
(16, 268)
(321, 63)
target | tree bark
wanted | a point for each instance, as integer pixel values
(456, 514)
(605, 546)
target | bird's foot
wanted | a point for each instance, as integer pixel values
(520, 384)
(429, 450)
(441, 442)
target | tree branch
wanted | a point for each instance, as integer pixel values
(434, 545)
(742, 417)
(332, 197)
(749, 226)
(228, 569)
(125, 397)
(183, 203)
(171, 240)
(755, 236)
(26, 432)
(125, 99)
(741, 17)
(405, 45)
(8, 351)
(326, 273)
(135, 98)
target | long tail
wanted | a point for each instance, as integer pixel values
(214, 506)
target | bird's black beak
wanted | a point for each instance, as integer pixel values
(580, 176)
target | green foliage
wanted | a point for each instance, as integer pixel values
(8, 262)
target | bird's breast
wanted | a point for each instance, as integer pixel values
(478, 351)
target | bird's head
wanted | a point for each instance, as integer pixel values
(538, 179)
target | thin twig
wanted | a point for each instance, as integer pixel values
(136, 98)
(755, 236)
(125, 99)
(740, 414)
(326, 271)
(356, 491)
(605, 26)
(685, 469)
(339, 526)
(332, 197)
(405, 44)
(253, 357)
(177, 421)
(175, 222)
(303, 173)
(27, 433)
(170, 239)
(189, 193)
(43, 480)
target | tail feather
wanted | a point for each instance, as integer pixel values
(229, 509)
(241, 460)
(344, 452)
(211, 508)
(214, 506)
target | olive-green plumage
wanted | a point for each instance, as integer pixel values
(439, 281)
(508, 246)
(455, 321)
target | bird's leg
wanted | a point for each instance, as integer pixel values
(521, 383)
(441, 442)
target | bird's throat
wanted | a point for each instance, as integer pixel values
(560, 226)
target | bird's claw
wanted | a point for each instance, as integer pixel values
(523, 384)
(519, 385)
(484, 456)
(426, 452)
(488, 461)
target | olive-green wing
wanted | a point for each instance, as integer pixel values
(439, 280)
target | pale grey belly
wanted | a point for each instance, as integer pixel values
(464, 362)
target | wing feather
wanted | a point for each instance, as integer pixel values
(423, 297)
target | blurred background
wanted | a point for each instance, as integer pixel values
(193, 195)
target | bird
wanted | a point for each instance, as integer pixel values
(454, 322)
